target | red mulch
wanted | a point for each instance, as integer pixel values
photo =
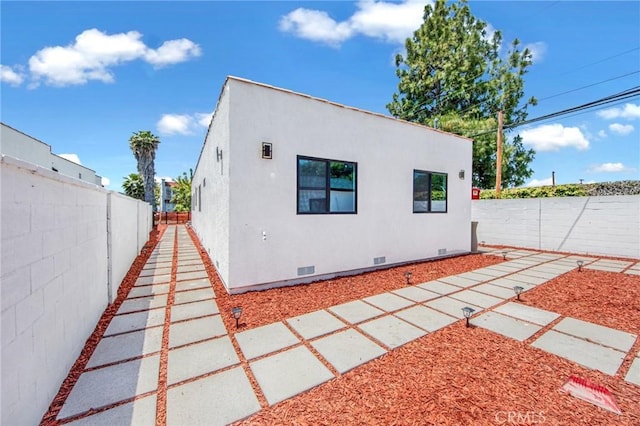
(611, 299)
(268, 306)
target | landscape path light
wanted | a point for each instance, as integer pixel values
(467, 312)
(580, 263)
(407, 275)
(518, 290)
(237, 313)
(504, 255)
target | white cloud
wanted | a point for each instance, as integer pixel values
(621, 129)
(610, 167)
(182, 124)
(173, 52)
(106, 181)
(71, 157)
(537, 49)
(541, 182)
(392, 22)
(552, 137)
(10, 76)
(93, 53)
(602, 134)
(628, 111)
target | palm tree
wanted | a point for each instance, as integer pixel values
(133, 186)
(144, 145)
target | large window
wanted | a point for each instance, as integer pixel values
(326, 186)
(429, 192)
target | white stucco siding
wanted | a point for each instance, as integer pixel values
(210, 189)
(269, 241)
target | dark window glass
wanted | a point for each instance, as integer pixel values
(326, 186)
(429, 192)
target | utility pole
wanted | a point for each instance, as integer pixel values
(499, 156)
(553, 178)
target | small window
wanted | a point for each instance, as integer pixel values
(429, 192)
(326, 186)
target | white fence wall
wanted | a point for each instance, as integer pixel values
(54, 275)
(607, 226)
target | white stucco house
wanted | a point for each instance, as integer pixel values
(291, 189)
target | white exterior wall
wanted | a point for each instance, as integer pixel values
(268, 241)
(210, 187)
(608, 226)
(54, 276)
(16, 144)
(125, 228)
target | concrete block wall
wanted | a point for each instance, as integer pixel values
(608, 225)
(54, 275)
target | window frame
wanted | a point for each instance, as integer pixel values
(429, 175)
(327, 186)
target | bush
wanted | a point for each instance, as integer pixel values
(631, 187)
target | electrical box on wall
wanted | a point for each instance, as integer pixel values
(267, 150)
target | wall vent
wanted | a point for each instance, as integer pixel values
(379, 260)
(306, 270)
(442, 252)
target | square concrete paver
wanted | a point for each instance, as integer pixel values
(201, 358)
(219, 399)
(192, 285)
(141, 412)
(527, 313)
(347, 349)
(507, 326)
(633, 375)
(186, 276)
(391, 331)
(459, 281)
(126, 346)
(388, 302)
(495, 291)
(193, 295)
(315, 324)
(105, 386)
(148, 290)
(439, 287)
(477, 299)
(416, 294)
(451, 306)
(143, 303)
(289, 373)
(590, 355)
(426, 318)
(266, 339)
(153, 270)
(194, 267)
(136, 321)
(153, 279)
(195, 330)
(356, 311)
(615, 339)
(193, 310)
(527, 279)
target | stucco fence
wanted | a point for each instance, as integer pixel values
(66, 245)
(606, 226)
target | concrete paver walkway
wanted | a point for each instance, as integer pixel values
(205, 381)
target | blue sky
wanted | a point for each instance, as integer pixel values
(83, 76)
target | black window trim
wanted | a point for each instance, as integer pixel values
(429, 174)
(327, 186)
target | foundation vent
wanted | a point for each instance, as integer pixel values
(306, 270)
(379, 260)
(442, 252)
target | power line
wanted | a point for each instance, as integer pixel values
(626, 94)
(590, 85)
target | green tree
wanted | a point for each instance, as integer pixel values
(181, 193)
(453, 77)
(133, 186)
(144, 145)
